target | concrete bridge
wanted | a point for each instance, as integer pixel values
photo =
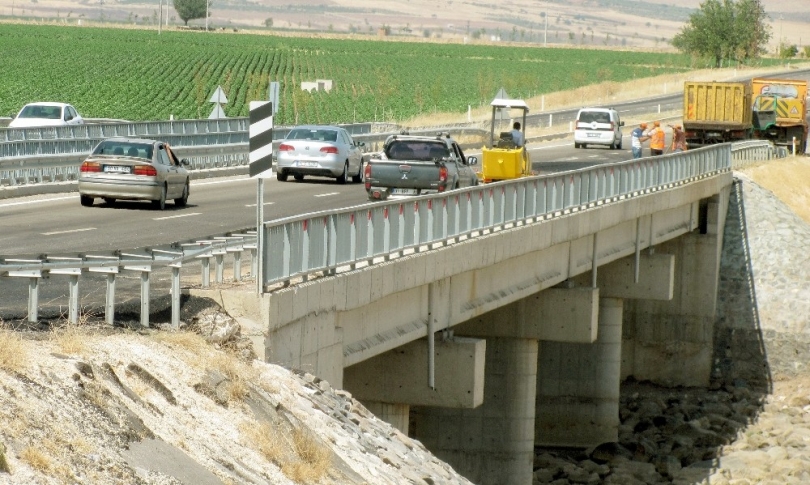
(485, 346)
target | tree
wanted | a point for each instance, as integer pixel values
(725, 29)
(788, 51)
(192, 9)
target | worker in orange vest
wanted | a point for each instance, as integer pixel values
(657, 139)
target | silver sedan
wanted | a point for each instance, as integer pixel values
(321, 150)
(134, 169)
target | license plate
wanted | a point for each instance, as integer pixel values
(307, 164)
(593, 135)
(403, 191)
(116, 169)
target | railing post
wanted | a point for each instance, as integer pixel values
(33, 298)
(109, 304)
(145, 298)
(176, 296)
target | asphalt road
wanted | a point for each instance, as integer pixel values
(57, 225)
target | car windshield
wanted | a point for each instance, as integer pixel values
(124, 148)
(415, 150)
(597, 116)
(314, 134)
(42, 112)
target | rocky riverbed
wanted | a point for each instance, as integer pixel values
(753, 425)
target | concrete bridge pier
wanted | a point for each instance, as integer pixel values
(578, 385)
(578, 382)
(672, 342)
(492, 444)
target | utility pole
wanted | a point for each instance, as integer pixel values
(207, 2)
(160, 15)
(545, 30)
(781, 18)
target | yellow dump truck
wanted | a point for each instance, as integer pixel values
(779, 108)
(716, 112)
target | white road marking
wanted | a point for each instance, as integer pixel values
(254, 205)
(327, 195)
(175, 217)
(68, 232)
(217, 182)
(39, 201)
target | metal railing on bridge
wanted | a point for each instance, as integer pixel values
(328, 242)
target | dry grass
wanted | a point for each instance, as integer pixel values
(14, 352)
(192, 342)
(36, 459)
(71, 339)
(314, 458)
(238, 372)
(301, 457)
(787, 179)
(602, 93)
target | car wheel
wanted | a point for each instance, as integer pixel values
(358, 179)
(613, 146)
(281, 176)
(345, 175)
(108, 200)
(160, 204)
(182, 201)
(298, 177)
(86, 200)
(619, 146)
(577, 145)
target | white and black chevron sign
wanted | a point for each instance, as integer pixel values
(261, 138)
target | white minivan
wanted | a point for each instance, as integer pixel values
(598, 126)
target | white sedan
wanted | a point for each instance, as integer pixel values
(320, 150)
(35, 115)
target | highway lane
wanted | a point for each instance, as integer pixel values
(57, 224)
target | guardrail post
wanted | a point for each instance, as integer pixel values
(33, 299)
(145, 298)
(254, 260)
(73, 302)
(237, 264)
(175, 296)
(220, 270)
(109, 305)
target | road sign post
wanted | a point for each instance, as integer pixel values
(261, 166)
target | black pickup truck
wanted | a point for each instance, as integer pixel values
(416, 165)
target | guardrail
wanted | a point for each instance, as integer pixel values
(323, 242)
(143, 261)
(331, 241)
(59, 161)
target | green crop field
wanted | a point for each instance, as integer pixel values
(140, 75)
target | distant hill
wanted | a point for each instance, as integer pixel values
(647, 24)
